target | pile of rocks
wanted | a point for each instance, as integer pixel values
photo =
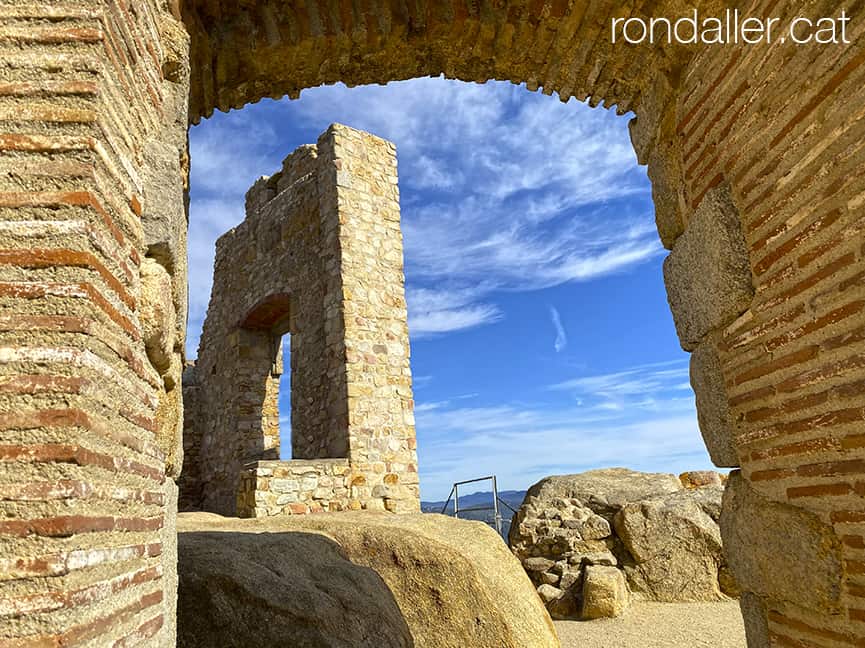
(589, 540)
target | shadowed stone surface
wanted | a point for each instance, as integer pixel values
(707, 274)
(713, 407)
(802, 565)
(281, 589)
(754, 617)
(454, 581)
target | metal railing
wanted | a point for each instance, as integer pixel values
(497, 516)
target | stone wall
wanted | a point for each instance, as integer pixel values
(318, 256)
(90, 87)
(296, 487)
(661, 532)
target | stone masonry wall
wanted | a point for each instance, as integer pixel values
(319, 256)
(297, 487)
(755, 162)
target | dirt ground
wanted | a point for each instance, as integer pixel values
(660, 625)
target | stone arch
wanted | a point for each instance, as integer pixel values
(272, 313)
(95, 105)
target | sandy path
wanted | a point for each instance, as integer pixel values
(660, 625)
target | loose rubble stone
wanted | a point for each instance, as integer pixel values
(663, 537)
(549, 593)
(699, 478)
(605, 592)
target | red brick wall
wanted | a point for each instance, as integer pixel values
(783, 125)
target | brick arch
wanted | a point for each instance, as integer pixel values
(97, 101)
(243, 52)
(767, 298)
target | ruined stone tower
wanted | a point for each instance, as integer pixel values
(319, 257)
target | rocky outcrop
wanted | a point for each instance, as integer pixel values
(243, 589)
(353, 579)
(674, 545)
(662, 539)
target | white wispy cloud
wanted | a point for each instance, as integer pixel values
(642, 417)
(634, 388)
(561, 340)
(523, 444)
(503, 190)
(230, 152)
(436, 311)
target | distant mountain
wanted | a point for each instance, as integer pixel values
(513, 498)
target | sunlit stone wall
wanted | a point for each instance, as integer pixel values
(319, 256)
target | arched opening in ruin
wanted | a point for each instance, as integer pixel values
(259, 376)
(282, 374)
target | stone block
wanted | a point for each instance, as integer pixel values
(692, 479)
(605, 592)
(538, 564)
(549, 578)
(644, 128)
(595, 528)
(156, 313)
(756, 620)
(570, 578)
(779, 551)
(284, 485)
(713, 408)
(665, 173)
(708, 274)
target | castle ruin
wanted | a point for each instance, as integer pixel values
(319, 257)
(95, 102)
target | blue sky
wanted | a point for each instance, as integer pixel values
(541, 338)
